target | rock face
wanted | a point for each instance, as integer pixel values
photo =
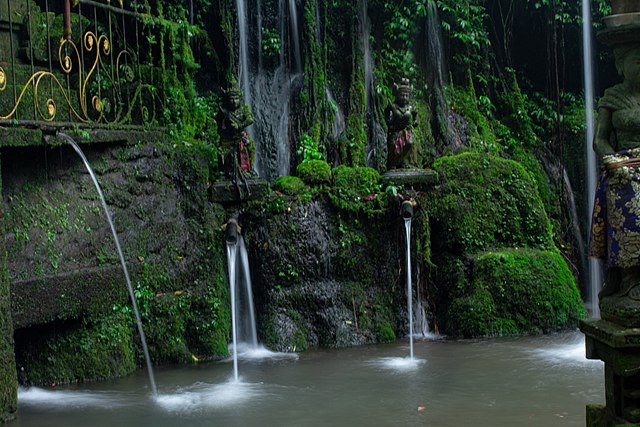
(326, 278)
(70, 304)
(497, 268)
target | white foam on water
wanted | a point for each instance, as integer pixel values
(249, 352)
(399, 364)
(69, 399)
(571, 351)
(201, 397)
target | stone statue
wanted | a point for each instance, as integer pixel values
(616, 216)
(401, 117)
(237, 147)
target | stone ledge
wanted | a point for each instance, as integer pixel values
(419, 178)
(226, 191)
(42, 300)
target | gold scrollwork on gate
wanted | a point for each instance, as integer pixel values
(107, 90)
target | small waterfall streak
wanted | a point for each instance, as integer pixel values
(365, 34)
(243, 51)
(295, 36)
(143, 339)
(595, 274)
(338, 123)
(231, 261)
(573, 215)
(249, 318)
(407, 227)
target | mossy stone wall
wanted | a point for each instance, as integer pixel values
(74, 317)
(8, 381)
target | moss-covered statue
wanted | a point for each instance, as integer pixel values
(616, 215)
(237, 147)
(401, 117)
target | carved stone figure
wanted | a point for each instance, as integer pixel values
(616, 217)
(401, 117)
(238, 149)
(616, 226)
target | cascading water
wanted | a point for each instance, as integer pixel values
(595, 270)
(116, 240)
(232, 247)
(295, 36)
(243, 53)
(376, 135)
(268, 91)
(247, 333)
(436, 69)
(407, 227)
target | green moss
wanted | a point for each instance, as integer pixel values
(516, 291)
(314, 172)
(291, 185)
(485, 201)
(480, 131)
(95, 349)
(8, 382)
(357, 190)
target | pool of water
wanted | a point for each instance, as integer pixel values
(499, 382)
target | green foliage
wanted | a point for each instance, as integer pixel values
(310, 149)
(500, 206)
(314, 172)
(480, 132)
(96, 349)
(514, 292)
(463, 21)
(270, 43)
(396, 47)
(357, 190)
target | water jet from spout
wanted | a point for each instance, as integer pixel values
(116, 240)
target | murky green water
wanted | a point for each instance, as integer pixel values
(543, 381)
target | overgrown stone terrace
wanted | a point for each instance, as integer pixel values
(326, 245)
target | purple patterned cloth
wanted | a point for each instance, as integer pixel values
(615, 223)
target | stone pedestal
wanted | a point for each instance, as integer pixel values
(230, 192)
(619, 348)
(411, 177)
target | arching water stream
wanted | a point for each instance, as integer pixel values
(143, 340)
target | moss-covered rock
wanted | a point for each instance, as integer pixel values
(93, 349)
(485, 201)
(515, 291)
(290, 185)
(314, 172)
(357, 189)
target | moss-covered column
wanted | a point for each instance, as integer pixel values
(354, 152)
(8, 380)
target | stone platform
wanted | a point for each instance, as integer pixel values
(416, 178)
(228, 192)
(619, 348)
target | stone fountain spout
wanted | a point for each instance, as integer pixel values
(231, 231)
(407, 208)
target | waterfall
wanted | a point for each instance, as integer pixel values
(268, 89)
(407, 227)
(337, 124)
(295, 36)
(231, 262)
(376, 136)
(595, 273)
(246, 321)
(436, 68)
(243, 51)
